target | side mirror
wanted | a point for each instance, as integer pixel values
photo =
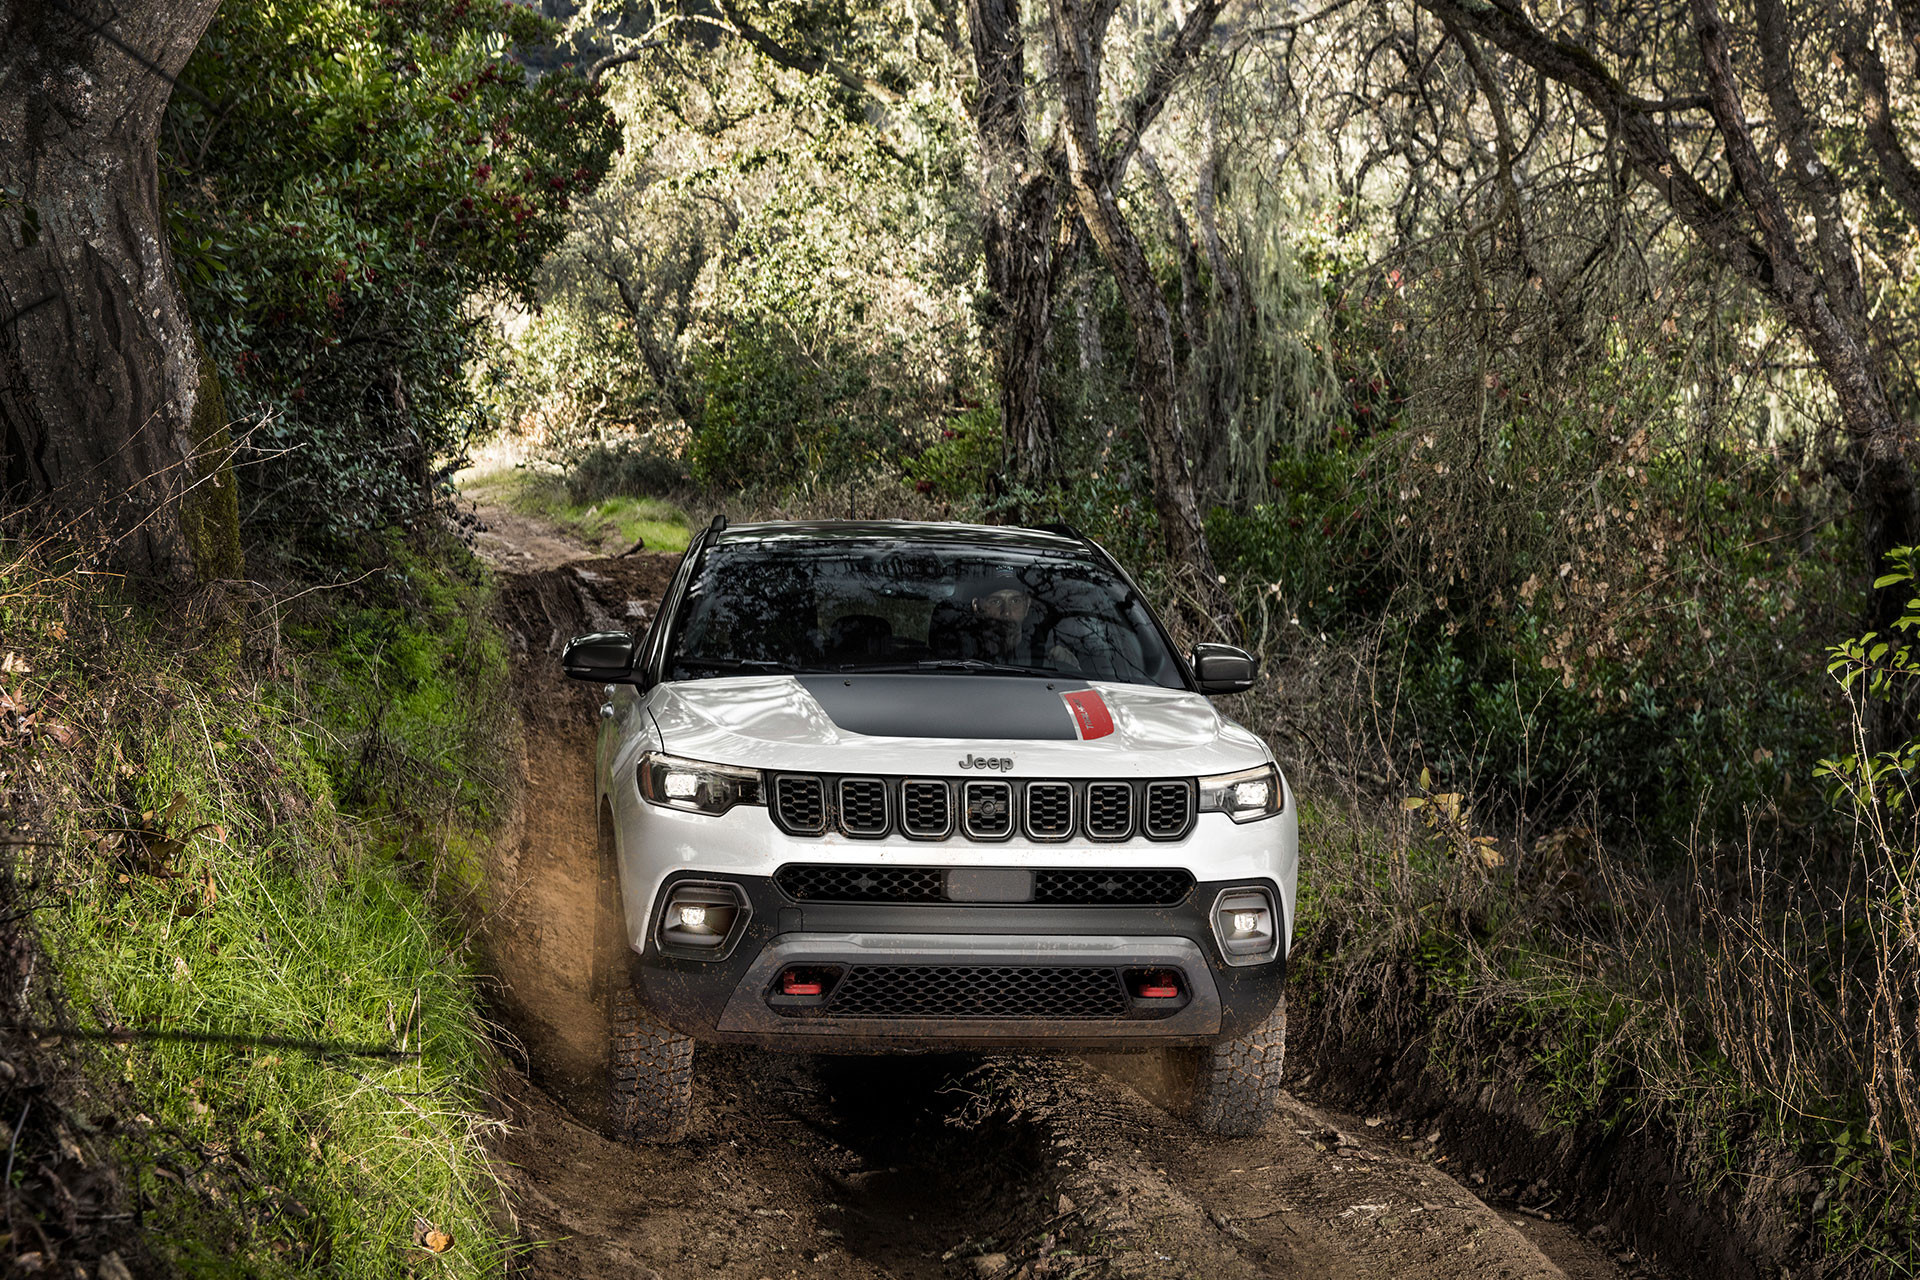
(604, 656)
(1221, 668)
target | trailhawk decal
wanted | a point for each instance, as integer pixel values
(1091, 719)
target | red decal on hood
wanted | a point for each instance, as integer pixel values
(1091, 719)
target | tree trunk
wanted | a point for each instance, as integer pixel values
(1019, 192)
(1077, 37)
(100, 371)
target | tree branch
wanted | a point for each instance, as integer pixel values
(1140, 111)
(806, 64)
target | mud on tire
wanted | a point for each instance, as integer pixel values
(649, 1067)
(650, 1084)
(1233, 1088)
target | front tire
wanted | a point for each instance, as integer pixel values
(649, 1067)
(650, 1074)
(1232, 1089)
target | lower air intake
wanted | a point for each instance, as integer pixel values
(983, 991)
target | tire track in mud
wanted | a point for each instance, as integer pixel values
(893, 1166)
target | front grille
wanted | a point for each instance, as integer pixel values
(800, 804)
(863, 806)
(1049, 810)
(983, 991)
(1109, 810)
(1053, 809)
(924, 809)
(806, 883)
(1111, 887)
(1169, 808)
(989, 810)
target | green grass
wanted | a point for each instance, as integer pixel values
(211, 877)
(611, 524)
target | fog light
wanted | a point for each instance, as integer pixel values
(1244, 925)
(702, 917)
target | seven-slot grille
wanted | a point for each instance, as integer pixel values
(989, 809)
(984, 808)
(863, 806)
(978, 991)
(800, 805)
(1052, 886)
(1109, 810)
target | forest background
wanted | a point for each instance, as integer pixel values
(1534, 390)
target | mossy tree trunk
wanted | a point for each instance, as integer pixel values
(110, 415)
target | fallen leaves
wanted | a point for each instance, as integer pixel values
(430, 1237)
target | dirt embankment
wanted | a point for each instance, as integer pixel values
(903, 1166)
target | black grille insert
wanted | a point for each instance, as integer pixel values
(978, 991)
(925, 809)
(863, 806)
(800, 804)
(1054, 886)
(989, 810)
(812, 883)
(1111, 887)
(1049, 810)
(1109, 810)
(1169, 809)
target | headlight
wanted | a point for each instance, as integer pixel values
(1246, 796)
(673, 783)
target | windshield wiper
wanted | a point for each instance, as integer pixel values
(947, 664)
(735, 664)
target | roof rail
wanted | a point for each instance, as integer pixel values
(1060, 527)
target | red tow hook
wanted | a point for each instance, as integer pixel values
(792, 984)
(1158, 984)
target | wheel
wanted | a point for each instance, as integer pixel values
(649, 1067)
(1233, 1088)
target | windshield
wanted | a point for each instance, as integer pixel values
(843, 605)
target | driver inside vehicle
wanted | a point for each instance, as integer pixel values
(1008, 623)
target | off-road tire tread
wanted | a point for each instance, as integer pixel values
(1236, 1090)
(651, 1074)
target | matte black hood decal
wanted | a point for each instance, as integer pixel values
(947, 706)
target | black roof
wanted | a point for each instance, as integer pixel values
(979, 535)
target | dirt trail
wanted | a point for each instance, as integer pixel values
(902, 1166)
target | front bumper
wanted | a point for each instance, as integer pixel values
(996, 948)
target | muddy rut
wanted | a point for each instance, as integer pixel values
(903, 1166)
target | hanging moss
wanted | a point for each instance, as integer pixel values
(210, 511)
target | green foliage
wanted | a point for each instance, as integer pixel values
(209, 877)
(345, 177)
(773, 417)
(960, 464)
(773, 287)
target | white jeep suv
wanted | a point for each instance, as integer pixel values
(882, 786)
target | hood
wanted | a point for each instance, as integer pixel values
(930, 723)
